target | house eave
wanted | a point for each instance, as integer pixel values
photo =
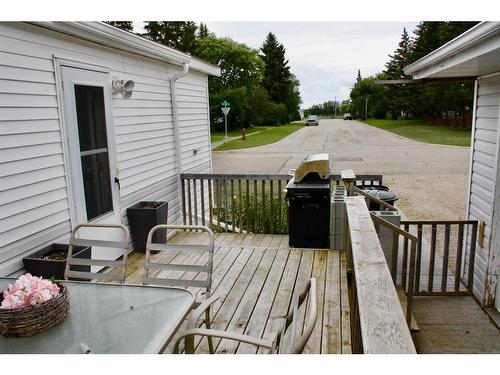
(110, 36)
(477, 41)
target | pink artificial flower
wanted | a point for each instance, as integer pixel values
(28, 290)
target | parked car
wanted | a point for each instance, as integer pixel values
(312, 120)
(347, 116)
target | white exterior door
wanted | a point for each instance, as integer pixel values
(91, 154)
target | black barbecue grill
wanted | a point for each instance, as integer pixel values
(308, 198)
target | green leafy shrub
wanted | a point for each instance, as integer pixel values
(255, 218)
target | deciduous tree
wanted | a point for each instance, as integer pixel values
(241, 74)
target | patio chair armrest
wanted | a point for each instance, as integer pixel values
(196, 314)
(189, 336)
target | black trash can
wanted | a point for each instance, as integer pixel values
(309, 214)
(381, 192)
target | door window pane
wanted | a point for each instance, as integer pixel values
(93, 150)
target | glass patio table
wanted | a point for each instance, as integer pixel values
(109, 318)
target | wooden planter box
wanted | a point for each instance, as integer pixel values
(142, 217)
(47, 268)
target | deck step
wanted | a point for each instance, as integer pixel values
(402, 299)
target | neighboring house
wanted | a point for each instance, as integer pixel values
(55, 174)
(476, 54)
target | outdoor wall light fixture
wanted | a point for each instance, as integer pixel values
(123, 87)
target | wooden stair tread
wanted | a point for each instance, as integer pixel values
(402, 299)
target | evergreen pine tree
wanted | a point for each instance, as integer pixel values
(203, 31)
(180, 35)
(358, 78)
(401, 57)
(434, 99)
(276, 71)
(279, 82)
(124, 25)
(397, 97)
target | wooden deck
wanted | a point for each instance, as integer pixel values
(454, 325)
(257, 276)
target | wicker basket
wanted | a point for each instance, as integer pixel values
(29, 321)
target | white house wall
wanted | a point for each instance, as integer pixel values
(192, 102)
(484, 175)
(490, 103)
(34, 205)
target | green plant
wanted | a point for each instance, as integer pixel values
(267, 216)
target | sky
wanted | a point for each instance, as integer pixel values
(325, 56)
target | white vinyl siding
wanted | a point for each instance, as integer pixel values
(34, 202)
(484, 169)
(192, 102)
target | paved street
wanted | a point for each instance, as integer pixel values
(430, 180)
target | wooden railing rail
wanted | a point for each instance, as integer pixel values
(374, 199)
(348, 176)
(378, 324)
(396, 233)
(441, 268)
(236, 202)
(253, 203)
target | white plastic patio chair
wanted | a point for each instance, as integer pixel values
(120, 264)
(204, 278)
(274, 346)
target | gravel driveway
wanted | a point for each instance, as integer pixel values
(430, 180)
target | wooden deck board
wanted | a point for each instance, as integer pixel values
(303, 274)
(345, 311)
(331, 341)
(455, 325)
(281, 303)
(247, 303)
(224, 257)
(228, 306)
(257, 277)
(262, 309)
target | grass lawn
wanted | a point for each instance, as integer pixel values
(217, 136)
(420, 131)
(270, 135)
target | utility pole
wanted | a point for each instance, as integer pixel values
(335, 107)
(366, 107)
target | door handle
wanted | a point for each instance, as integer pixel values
(117, 181)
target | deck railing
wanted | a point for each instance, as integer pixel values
(253, 203)
(378, 324)
(429, 264)
(445, 256)
(399, 234)
(424, 261)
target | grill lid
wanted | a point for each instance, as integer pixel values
(313, 168)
